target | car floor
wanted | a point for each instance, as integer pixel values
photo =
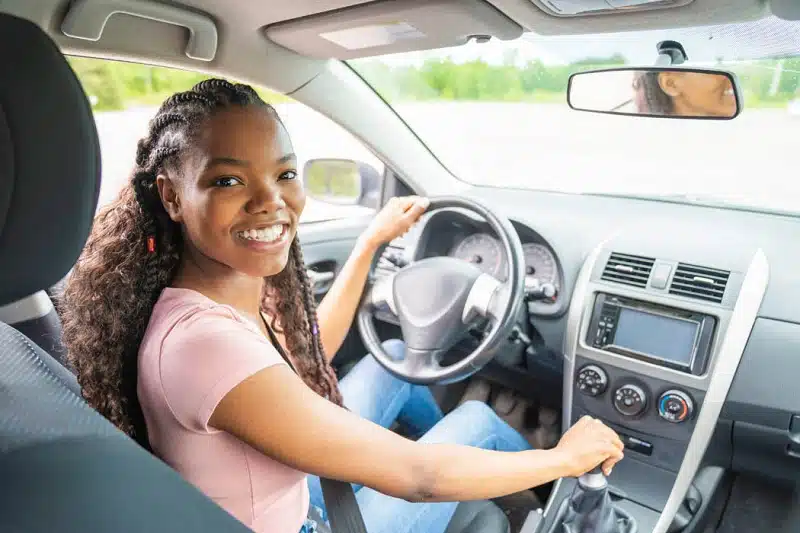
(760, 505)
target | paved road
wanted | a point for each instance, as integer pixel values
(752, 158)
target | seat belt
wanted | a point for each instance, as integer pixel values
(340, 502)
(340, 498)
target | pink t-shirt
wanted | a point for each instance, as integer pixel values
(194, 352)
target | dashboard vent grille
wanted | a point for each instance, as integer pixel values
(628, 269)
(701, 283)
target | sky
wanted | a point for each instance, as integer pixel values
(768, 37)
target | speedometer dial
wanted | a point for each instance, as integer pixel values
(540, 263)
(484, 251)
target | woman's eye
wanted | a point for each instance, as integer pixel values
(226, 181)
(288, 175)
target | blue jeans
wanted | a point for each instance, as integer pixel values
(376, 395)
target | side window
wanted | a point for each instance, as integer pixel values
(125, 96)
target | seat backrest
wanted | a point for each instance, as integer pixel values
(63, 467)
(36, 318)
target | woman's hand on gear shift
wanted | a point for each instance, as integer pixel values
(590, 443)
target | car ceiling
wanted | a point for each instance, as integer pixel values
(258, 38)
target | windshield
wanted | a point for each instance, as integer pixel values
(496, 115)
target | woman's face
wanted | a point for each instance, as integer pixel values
(240, 197)
(699, 94)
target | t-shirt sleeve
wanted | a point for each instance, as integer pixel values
(204, 357)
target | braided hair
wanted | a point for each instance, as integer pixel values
(650, 97)
(134, 252)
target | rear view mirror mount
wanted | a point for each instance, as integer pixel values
(664, 92)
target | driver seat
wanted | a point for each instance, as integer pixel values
(72, 471)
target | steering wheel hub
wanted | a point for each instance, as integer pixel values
(429, 297)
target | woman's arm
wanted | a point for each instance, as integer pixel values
(338, 308)
(276, 413)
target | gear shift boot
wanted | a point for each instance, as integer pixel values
(589, 509)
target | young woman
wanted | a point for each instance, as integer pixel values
(191, 324)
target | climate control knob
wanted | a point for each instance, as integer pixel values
(592, 380)
(630, 400)
(675, 406)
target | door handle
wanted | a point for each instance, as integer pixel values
(319, 279)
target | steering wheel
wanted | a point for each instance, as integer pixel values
(438, 299)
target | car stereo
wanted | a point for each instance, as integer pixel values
(662, 335)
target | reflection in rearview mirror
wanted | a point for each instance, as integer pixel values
(656, 92)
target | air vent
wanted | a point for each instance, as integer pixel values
(701, 283)
(628, 269)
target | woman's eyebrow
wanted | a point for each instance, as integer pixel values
(287, 158)
(228, 161)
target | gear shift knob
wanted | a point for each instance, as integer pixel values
(594, 479)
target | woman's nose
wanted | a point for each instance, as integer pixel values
(265, 197)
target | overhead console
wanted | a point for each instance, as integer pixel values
(393, 26)
(652, 345)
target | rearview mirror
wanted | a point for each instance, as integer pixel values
(342, 181)
(668, 92)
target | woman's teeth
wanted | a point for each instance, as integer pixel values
(270, 234)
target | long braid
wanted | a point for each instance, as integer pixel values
(134, 252)
(298, 323)
(327, 375)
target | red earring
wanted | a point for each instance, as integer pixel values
(151, 244)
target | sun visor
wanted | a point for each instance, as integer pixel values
(392, 26)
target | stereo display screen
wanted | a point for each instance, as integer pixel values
(668, 338)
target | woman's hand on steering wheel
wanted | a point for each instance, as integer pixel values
(396, 218)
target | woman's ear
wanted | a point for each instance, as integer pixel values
(169, 197)
(669, 83)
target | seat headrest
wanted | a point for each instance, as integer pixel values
(49, 162)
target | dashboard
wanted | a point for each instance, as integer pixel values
(671, 271)
(676, 324)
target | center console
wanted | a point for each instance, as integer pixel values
(651, 349)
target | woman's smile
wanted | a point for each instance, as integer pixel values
(265, 238)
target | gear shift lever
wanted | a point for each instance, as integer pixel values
(589, 509)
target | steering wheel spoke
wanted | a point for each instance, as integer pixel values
(420, 364)
(381, 294)
(482, 300)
